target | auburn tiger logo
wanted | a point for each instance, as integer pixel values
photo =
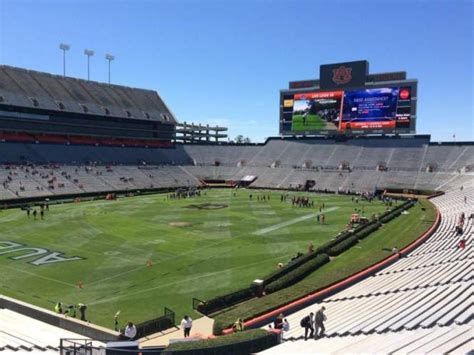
(342, 75)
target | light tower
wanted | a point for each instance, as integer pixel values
(64, 47)
(110, 58)
(89, 53)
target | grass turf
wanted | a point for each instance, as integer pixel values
(313, 123)
(216, 253)
(399, 232)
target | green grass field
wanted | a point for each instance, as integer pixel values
(220, 250)
(313, 122)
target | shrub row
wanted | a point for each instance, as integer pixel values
(247, 342)
(298, 273)
(343, 246)
(224, 301)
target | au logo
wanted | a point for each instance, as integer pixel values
(342, 75)
(42, 256)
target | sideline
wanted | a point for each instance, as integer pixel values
(291, 221)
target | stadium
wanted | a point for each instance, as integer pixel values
(124, 230)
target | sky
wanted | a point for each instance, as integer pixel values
(224, 62)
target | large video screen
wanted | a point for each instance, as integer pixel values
(350, 111)
(316, 111)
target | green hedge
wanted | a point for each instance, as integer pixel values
(225, 301)
(343, 246)
(297, 274)
(249, 341)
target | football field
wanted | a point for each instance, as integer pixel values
(140, 254)
(313, 123)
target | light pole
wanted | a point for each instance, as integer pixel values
(89, 53)
(110, 58)
(64, 47)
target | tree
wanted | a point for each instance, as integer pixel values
(241, 139)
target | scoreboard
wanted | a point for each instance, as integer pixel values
(349, 101)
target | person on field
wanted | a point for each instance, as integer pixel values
(34, 214)
(186, 325)
(70, 311)
(58, 308)
(238, 325)
(307, 324)
(319, 320)
(81, 307)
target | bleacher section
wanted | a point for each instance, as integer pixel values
(420, 304)
(19, 334)
(278, 164)
(19, 87)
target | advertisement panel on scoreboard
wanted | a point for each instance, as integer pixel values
(352, 111)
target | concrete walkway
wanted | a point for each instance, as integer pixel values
(202, 329)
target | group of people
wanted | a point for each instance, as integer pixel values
(184, 193)
(302, 201)
(260, 197)
(71, 310)
(34, 212)
(314, 324)
(281, 324)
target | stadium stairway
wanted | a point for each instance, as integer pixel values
(422, 303)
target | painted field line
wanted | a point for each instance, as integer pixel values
(39, 276)
(291, 221)
(210, 274)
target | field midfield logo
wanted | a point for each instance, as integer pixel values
(46, 256)
(342, 75)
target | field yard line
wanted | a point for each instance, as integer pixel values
(39, 276)
(117, 275)
(182, 281)
(291, 221)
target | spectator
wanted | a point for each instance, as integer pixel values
(285, 329)
(186, 325)
(319, 320)
(278, 324)
(130, 331)
(307, 324)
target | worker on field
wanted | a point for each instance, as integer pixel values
(81, 307)
(71, 311)
(238, 325)
(58, 308)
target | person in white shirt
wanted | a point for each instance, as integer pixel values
(130, 331)
(186, 325)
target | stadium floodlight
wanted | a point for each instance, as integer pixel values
(64, 47)
(110, 58)
(89, 53)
